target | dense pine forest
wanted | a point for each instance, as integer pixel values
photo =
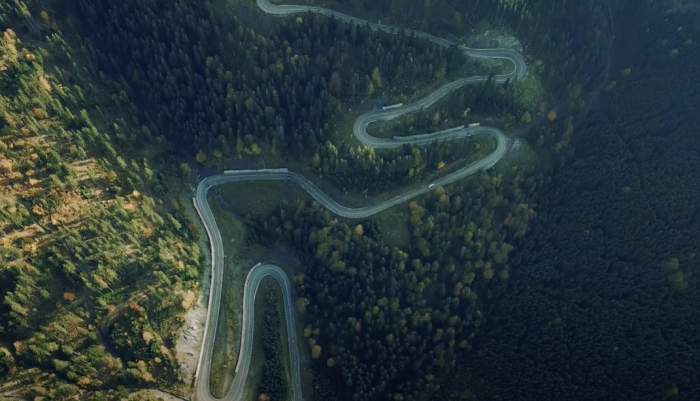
(398, 322)
(274, 89)
(568, 271)
(224, 87)
(604, 304)
(380, 314)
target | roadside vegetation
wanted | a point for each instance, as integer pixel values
(512, 105)
(233, 208)
(273, 383)
(228, 334)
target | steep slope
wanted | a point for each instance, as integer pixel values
(94, 272)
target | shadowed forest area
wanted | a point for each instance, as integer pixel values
(604, 303)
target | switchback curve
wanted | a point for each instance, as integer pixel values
(261, 271)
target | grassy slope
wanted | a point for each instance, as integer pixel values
(241, 252)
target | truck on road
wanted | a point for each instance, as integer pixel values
(393, 106)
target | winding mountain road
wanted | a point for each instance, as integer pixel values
(263, 271)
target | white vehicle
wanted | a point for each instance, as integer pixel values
(431, 186)
(474, 125)
(393, 106)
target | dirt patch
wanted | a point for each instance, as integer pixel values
(189, 343)
(86, 169)
(73, 209)
(155, 395)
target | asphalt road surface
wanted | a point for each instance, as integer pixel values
(262, 271)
